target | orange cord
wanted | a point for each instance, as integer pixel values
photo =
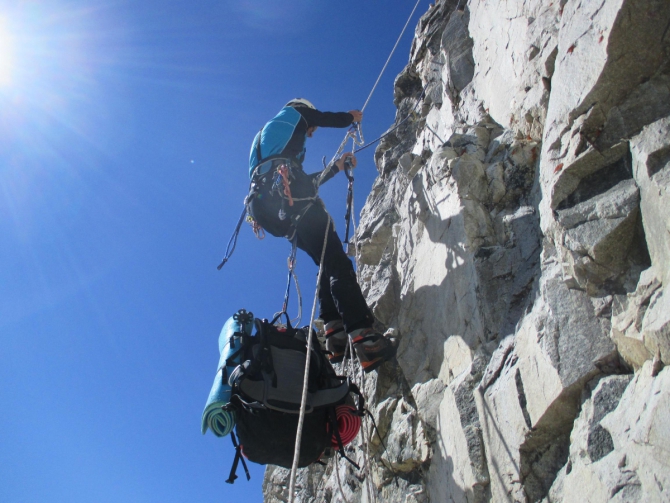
(283, 171)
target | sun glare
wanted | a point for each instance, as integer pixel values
(6, 54)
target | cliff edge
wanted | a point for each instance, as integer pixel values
(517, 241)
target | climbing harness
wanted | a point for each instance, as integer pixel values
(283, 185)
(356, 134)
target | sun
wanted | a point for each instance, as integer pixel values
(6, 54)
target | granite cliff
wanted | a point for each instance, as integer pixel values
(517, 241)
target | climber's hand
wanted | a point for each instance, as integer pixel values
(347, 161)
(357, 114)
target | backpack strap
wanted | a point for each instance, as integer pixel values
(278, 318)
(238, 458)
(259, 157)
(361, 400)
(330, 395)
(264, 357)
(332, 420)
(231, 360)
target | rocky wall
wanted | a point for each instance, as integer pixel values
(517, 243)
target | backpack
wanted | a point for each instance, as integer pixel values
(266, 391)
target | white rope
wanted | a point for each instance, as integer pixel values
(390, 55)
(351, 368)
(305, 381)
(374, 87)
(303, 402)
(297, 319)
(372, 493)
(339, 484)
(353, 224)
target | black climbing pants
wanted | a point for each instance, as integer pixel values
(340, 295)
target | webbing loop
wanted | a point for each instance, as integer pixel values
(233, 239)
(238, 457)
(291, 260)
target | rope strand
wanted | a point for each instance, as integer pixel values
(352, 134)
(374, 87)
(303, 401)
(339, 484)
(390, 55)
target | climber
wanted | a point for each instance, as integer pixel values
(284, 201)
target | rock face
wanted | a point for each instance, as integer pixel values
(517, 241)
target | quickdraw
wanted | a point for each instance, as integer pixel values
(256, 227)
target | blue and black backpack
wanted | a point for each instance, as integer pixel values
(262, 377)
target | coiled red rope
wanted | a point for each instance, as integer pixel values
(348, 424)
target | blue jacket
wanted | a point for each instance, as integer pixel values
(284, 136)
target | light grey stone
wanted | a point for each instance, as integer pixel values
(427, 397)
(656, 326)
(407, 445)
(499, 404)
(634, 466)
(651, 157)
(590, 442)
(470, 177)
(641, 432)
(618, 202)
(507, 81)
(405, 161)
(646, 104)
(628, 315)
(458, 469)
(494, 174)
(537, 233)
(456, 45)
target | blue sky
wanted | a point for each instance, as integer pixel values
(125, 130)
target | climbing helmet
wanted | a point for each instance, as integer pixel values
(300, 102)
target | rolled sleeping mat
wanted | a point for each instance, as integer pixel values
(348, 424)
(220, 421)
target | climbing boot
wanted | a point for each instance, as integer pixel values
(336, 341)
(372, 348)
